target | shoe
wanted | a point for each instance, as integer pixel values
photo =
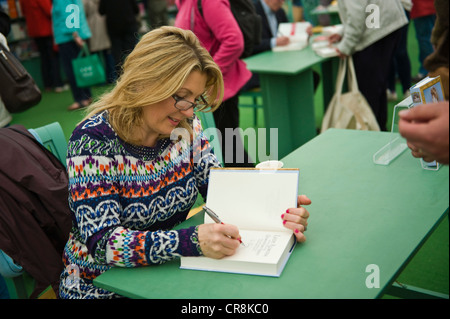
(86, 102)
(391, 96)
(75, 106)
(60, 89)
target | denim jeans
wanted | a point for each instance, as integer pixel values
(67, 52)
(424, 26)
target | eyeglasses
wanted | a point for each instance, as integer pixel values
(184, 105)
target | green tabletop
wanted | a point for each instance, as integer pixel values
(287, 88)
(362, 214)
(287, 62)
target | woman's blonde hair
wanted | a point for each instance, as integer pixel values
(154, 71)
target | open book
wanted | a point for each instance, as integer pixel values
(253, 200)
(297, 34)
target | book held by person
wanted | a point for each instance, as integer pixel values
(253, 200)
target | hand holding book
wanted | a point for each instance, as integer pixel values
(426, 129)
(297, 218)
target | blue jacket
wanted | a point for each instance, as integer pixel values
(68, 17)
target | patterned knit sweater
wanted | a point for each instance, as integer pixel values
(126, 199)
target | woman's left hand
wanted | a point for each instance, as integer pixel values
(297, 218)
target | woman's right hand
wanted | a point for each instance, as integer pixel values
(218, 240)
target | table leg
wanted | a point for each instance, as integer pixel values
(329, 74)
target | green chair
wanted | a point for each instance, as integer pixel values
(254, 95)
(20, 284)
(52, 137)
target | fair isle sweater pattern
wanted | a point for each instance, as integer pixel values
(126, 199)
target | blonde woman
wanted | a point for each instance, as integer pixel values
(132, 178)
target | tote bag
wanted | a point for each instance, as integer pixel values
(88, 69)
(349, 110)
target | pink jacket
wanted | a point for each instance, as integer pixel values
(219, 33)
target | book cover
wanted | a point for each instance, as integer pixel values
(429, 90)
(253, 200)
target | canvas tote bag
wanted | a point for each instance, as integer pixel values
(88, 69)
(349, 110)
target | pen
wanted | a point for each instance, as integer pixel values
(216, 218)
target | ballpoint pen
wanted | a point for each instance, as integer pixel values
(216, 219)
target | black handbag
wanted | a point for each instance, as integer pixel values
(18, 90)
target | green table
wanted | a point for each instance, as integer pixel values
(287, 88)
(362, 214)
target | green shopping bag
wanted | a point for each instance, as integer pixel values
(88, 69)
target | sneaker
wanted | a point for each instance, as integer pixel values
(60, 89)
(391, 96)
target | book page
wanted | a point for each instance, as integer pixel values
(252, 198)
(260, 246)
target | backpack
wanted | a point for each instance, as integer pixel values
(248, 20)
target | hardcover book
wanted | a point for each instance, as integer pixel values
(253, 200)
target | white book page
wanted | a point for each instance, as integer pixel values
(252, 199)
(261, 247)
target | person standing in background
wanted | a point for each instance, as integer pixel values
(71, 29)
(423, 15)
(38, 16)
(157, 13)
(122, 26)
(371, 41)
(400, 64)
(99, 42)
(437, 63)
(220, 34)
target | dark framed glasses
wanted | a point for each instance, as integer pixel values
(184, 105)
